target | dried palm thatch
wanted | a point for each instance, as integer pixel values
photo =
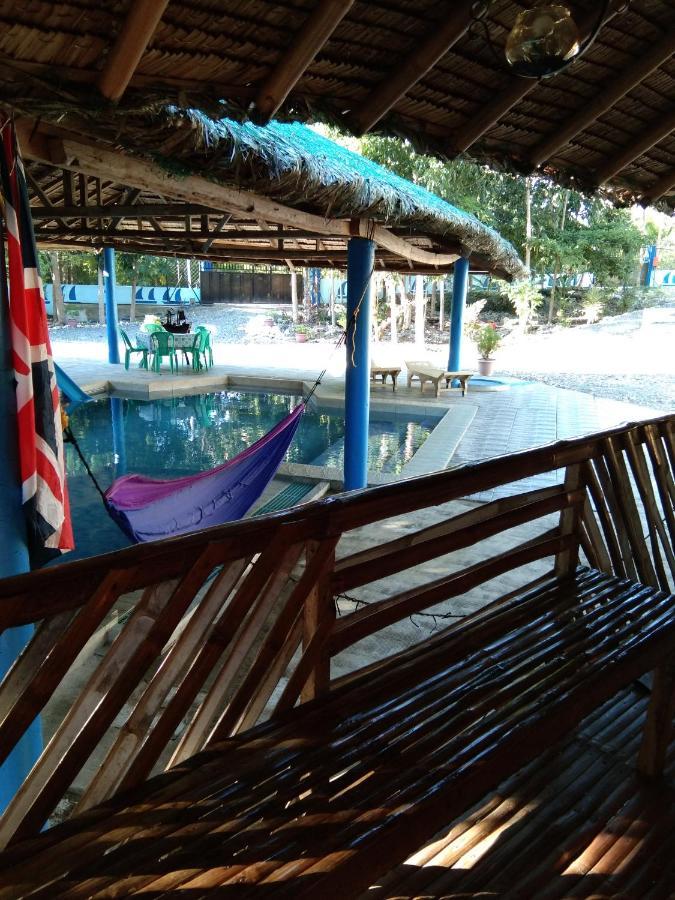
(287, 162)
(299, 167)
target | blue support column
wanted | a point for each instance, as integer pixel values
(119, 436)
(360, 261)
(13, 553)
(110, 305)
(460, 281)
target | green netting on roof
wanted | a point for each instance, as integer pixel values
(299, 167)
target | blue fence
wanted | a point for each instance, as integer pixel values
(88, 293)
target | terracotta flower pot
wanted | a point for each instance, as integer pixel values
(485, 366)
(300, 338)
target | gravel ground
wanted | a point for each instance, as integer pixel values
(626, 357)
(235, 325)
(655, 391)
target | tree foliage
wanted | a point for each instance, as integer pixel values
(81, 268)
(571, 233)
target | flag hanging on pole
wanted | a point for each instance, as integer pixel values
(41, 454)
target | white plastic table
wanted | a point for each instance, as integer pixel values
(180, 340)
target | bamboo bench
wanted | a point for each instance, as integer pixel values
(320, 802)
(324, 797)
(425, 372)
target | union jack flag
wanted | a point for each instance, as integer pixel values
(41, 454)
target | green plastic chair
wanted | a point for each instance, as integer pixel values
(208, 350)
(163, 345)
(129, 349)
(191, 353)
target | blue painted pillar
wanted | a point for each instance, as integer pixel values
(460, 281)
(110, 305)
(119, 436)
(13, 550)
(360, 261)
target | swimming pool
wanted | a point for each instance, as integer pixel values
(181, 435)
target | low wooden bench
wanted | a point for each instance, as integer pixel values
(319, 803)
(384, 372)
(326, 796)
(425, 372)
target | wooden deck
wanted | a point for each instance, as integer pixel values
(576, 822)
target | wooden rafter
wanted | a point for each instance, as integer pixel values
(44, 199)
(606, 96)
(440, 38)
(308, 42)
(121, 211)
(516, 88)
(644, 142)
(135, 35)
(130, 199)
(662, 186)
(216, 231)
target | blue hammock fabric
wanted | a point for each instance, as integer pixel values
(149, 509)
(74, 394)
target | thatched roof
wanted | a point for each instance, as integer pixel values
(285, 162)
(302, 169)
(419, 69)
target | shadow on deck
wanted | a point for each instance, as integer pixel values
(577, 822)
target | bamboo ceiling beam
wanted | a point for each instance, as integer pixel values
(113, 211)
(441, 37)
(516, 88)
(647, 139)
(662, 186)
(606, 96)
(44, 199)
(135, 35)
(320, 24)
(75, 155)
(216, 231)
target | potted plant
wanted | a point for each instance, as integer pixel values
(301, 333)
(487, 341)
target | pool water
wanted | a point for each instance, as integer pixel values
(182, 435)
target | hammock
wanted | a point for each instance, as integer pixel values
(148, 509)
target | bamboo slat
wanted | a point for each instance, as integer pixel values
(602, 560)
(376, 616)
(317, 566)
(28, 691)
(136, 731)
(459, 534)
(654, 516)
(631, 518)
(570, 518)
(255, 599)
(132, 653)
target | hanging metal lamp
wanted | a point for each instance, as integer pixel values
(542, 41)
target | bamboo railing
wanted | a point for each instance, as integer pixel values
(235, 624)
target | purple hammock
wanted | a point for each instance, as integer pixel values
(148, 509)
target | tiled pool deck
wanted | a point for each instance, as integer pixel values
(484, 424)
